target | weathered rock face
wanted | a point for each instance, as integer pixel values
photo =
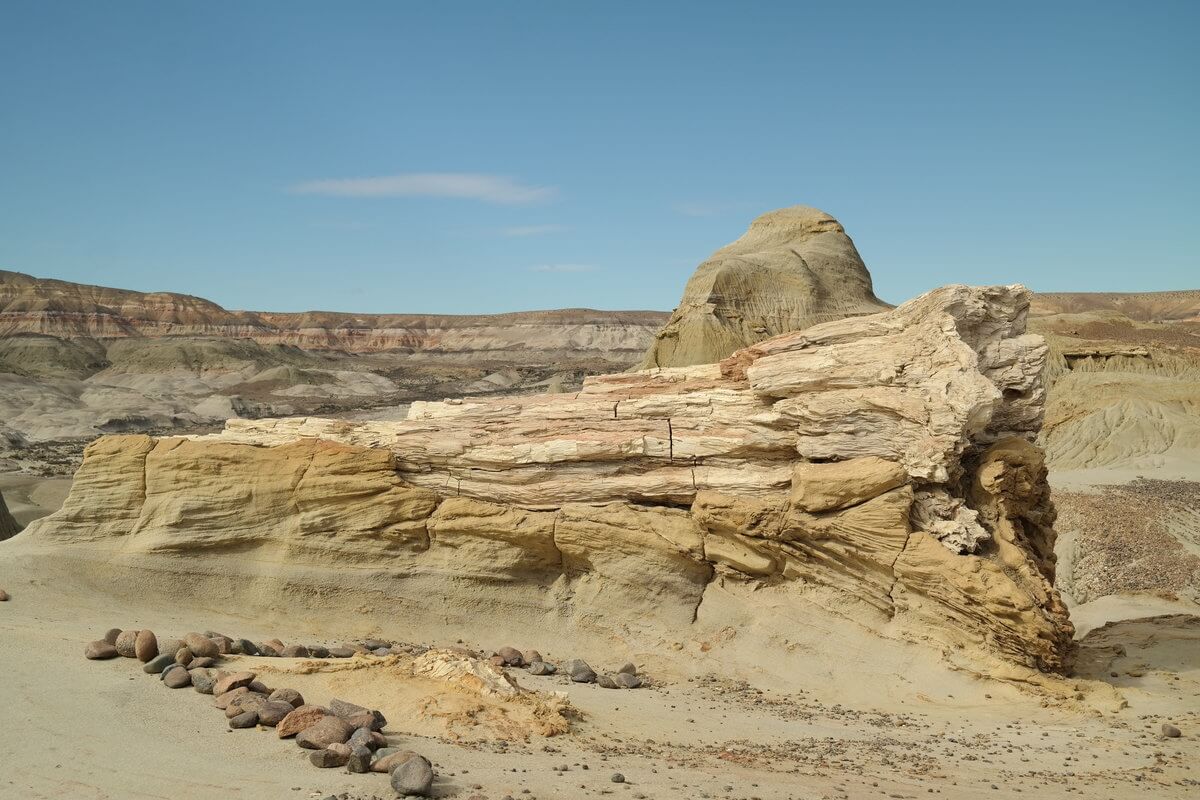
(793, 268)
(875, 470)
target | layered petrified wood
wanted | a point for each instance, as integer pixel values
(885, 460)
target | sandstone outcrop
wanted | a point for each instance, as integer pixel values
(867, 477)
(793, 268)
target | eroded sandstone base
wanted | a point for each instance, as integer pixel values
(874, 473)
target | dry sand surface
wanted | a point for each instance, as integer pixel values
(85, 729)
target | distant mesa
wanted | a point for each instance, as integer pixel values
(792, 269)
(75, 312)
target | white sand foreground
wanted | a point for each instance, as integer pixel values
(84, 729)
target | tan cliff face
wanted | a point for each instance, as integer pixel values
(872, 476)
(793, 268)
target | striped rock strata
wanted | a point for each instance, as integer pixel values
(869, 477)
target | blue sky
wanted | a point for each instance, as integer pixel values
(474, 157)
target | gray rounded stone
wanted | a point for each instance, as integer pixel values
(360, 760)
(244, 647)
(580, 671)
(246, 719)
(158, 664)
(203, 680)
(363, 737)
(413, 777)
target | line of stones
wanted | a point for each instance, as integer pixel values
(341, 735)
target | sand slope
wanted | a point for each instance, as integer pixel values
(105, 730)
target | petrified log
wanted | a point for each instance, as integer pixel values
(877, 470)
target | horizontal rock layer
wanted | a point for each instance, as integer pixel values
(875, 470)
(66, 310)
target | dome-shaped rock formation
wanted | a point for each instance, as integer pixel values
(792, 269)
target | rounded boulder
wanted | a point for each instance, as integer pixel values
(413, 777)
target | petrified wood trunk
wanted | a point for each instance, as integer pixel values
(878, 469)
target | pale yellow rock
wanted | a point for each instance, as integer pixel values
(722, 513)
(632, 562)
(474, 537)
(308, 500)
(825, 487)
(852, 550)
(739, 553)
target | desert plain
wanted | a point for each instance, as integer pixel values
(847, 550)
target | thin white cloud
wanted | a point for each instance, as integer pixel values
(563, 268)
(498, 189)
(532, 230)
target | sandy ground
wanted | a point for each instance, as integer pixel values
(84, 729)
(1083, 480)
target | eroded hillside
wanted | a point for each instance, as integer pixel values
(79, 361)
